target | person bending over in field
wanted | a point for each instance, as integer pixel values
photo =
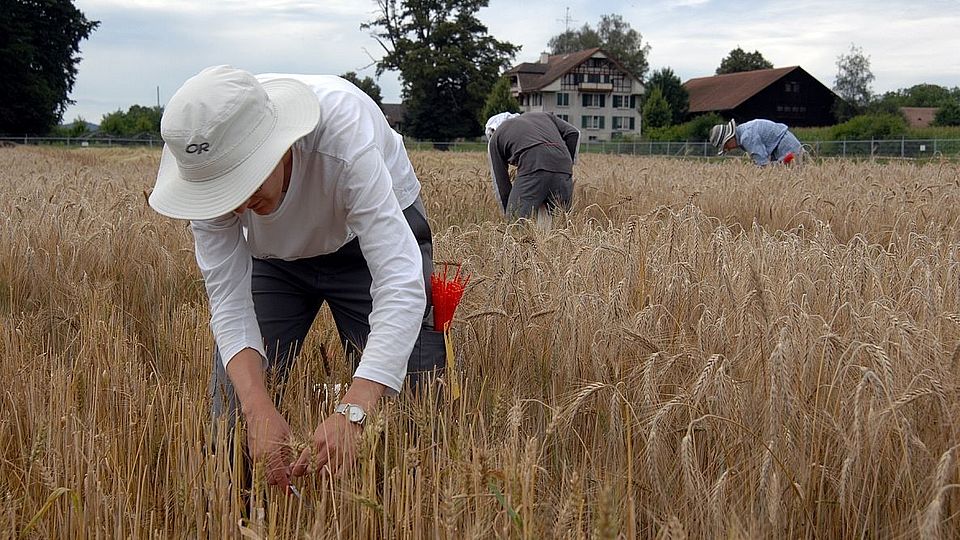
(299, 193)
(764, 140)
(544, 149)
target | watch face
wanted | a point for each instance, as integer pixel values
(355, 414)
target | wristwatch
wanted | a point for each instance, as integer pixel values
(354, 413)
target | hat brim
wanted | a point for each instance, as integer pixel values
(724, 141)
(297, 112)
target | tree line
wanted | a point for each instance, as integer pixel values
(450, 68)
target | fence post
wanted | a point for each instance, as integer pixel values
(901, 147)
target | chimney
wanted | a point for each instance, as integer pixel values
(544, 57)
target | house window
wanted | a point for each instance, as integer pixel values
(792, 86)
(564, 117)
(624, 123)
(563, 99)
(593, 100)
(591, 122)
(622, 102)
(536, 100)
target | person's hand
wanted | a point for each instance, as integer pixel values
(268, 435)
(334, 445)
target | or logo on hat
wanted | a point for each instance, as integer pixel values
(194, 148)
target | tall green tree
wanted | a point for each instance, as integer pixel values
(39, 52)
(574, 40)
(137, 120)
(656, 110)
(500, 100)
(852, 83)
(740, 60)
(615, 36)
(671, 87)
(367, 84)
(447, 62)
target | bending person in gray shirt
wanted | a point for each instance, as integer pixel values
(544, 149)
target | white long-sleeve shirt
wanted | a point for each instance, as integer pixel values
(351, 178)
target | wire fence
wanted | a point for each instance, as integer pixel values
(889, 148)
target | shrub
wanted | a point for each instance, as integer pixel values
(697, 129)
(870, 126)
(948, 115)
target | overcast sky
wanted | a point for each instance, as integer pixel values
(143, 45)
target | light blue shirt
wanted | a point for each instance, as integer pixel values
(760, 138)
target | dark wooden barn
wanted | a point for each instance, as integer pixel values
(789, 95)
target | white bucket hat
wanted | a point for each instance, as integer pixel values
(225, 132)
(721, 133)
(494, 122)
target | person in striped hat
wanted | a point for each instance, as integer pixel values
(764, 140)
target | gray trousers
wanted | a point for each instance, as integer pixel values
(789, 143)
(531, 191)
(287, 296)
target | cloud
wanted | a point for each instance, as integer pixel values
(142, 44)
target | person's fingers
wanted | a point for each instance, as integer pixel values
(321, 452)
(312, 458)
(278, 466)
(278, 474)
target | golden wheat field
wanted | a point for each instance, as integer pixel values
(699, 350)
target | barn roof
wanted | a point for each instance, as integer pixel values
(725, 92)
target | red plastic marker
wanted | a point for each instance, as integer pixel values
(446, 296)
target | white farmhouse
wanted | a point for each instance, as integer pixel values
(588, 88)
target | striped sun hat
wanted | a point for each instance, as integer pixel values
(721, 133)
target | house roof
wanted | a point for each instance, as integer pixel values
(919, 116)
(394, 112)
(725, 92)
(534, 76)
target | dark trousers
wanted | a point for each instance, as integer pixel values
(531, 191)
(287, 296)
